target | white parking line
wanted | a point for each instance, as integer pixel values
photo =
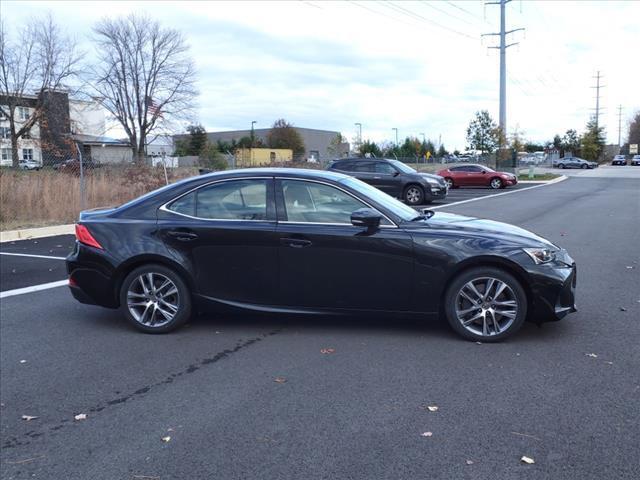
(559, 179)
(34, 288)
(32, 256)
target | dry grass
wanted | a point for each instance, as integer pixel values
(35, 199)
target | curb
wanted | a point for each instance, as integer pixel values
(27, 233)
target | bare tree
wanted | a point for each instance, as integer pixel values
(41, 59)
(144, 76)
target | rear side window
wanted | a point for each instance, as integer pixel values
(345, 166)
(232, 200)
(364, 167)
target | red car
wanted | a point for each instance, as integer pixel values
(476, 176)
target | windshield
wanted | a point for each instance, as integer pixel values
(394, 206)
(404, 168)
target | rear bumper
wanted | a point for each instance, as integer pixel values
(91, 277)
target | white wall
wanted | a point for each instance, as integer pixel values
(111, 154)
(87, 118)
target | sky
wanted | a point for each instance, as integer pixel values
(420, 67)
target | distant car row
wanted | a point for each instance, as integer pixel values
(622, 160)
(70, 165)
(415, 188)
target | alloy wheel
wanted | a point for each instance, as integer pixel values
(486, 306)
(449, 182)
(413, 195)
(496, 183)
(153, 299)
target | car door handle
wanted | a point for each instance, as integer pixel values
(182, 235)
(295, 242)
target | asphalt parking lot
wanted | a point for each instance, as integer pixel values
(566, 394)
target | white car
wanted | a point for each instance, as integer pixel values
(29, 165)
(619, 160)
(636, 160)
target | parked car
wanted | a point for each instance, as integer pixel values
(29, 165)
(394, 178)
(476, 176)
(73, 165)
(619, 160)
(575, 162)
(312, 242)
(635, 160)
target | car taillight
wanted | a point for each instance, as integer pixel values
(84, 236)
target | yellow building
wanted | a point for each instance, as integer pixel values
(253, 157)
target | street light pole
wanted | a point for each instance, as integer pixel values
(253, 136)
(394, 128)
(359, 125)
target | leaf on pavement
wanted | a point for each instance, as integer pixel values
(622, 309)
(592, 355)
(426, 434)
(280, 380)
(23, 361)
(527, 460)
(432, 408)
(80, 416)
(166, 439)
(326, 351)
(28, 418)
(469, 462)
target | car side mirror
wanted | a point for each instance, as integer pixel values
(366, 218)
(484, 171)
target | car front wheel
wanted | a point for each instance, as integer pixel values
(413, 195)
(584, 166)
(449, 182)
(154, 299)
(495, 183)
(485, 304)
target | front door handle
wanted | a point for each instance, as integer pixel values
(295, 242)
(182, 235)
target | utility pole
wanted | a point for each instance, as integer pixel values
(394, 128)
(503, 63)
(619, 123)
(597, 109)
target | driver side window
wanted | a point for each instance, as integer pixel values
(310, 202)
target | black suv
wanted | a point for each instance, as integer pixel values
(393, 177)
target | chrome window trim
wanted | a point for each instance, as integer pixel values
(164, 207)
(393, 224)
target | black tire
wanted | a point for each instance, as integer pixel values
(451, 297)
(584, 166)
(183, 296)
(449, 181)
(561, 165)
(496, 185)
(413, 195)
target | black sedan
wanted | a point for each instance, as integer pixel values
(304, 241)
(395, 178)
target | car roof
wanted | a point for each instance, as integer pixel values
(281, 172)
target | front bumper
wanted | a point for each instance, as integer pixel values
(511, 181)
(438, 192)
(553, 288)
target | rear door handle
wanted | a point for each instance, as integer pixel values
(295, 242)
(182, 235)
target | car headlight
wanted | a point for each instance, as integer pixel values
(540, 255)
(433, 182)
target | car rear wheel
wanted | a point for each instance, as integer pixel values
(154, 299)
(495, 183)
(449, 182)
(583, 167)
(485, 304)
(413, 195)
(561, 165)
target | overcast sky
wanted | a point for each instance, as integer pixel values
(418, 66)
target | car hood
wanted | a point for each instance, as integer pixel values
(438, 178)
(485, 228)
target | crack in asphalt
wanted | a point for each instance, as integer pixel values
(15, 441)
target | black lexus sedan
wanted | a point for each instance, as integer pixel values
(395, 178)
(304, 241)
